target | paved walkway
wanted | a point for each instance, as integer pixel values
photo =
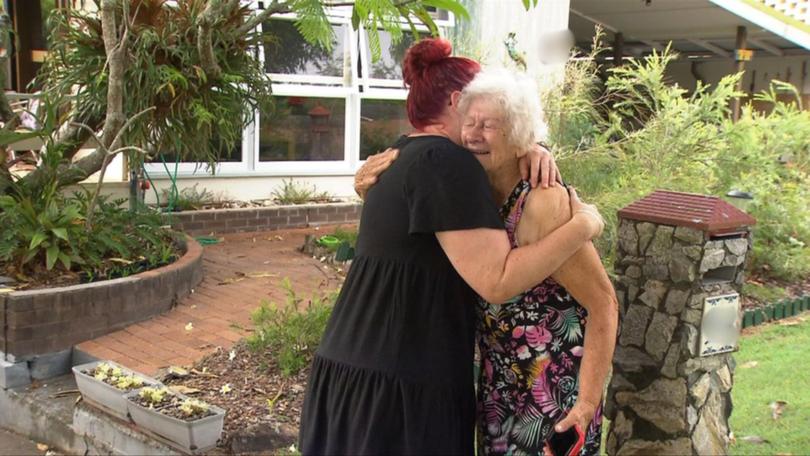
(240, 272)
(17, 445)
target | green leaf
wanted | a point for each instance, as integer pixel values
(64, 258)
(355, 18)
(455, 7)
(29, 256)
(51, 255)
(61, 233)
(37, 239)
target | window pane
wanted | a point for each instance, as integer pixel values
(303, 129)
(389, 66)
(286, 51)
(381, 123)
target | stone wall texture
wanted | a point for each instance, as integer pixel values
(37, 322)
(663, 398)
(223, 221)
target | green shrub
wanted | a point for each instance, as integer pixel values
(344, 235)
(291, 334)
(45, 236)
(291, 192)
(189, 198)
(765, 294)
(619, 139)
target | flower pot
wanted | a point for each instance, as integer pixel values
(189, 436)
(101, 395)
(330, 242)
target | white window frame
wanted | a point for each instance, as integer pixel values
(347, 87)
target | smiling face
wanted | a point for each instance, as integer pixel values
(483, 134)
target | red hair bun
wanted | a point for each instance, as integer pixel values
(423, 54)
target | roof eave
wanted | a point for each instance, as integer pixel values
(770, 19)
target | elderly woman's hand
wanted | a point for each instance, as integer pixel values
(375, 165)
(581, 413)
(588, 212)
(538, 166)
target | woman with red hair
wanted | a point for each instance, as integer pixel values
(393, 373)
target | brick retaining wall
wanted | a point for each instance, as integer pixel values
(222, 221)
(36, 322)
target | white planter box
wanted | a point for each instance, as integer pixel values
(104, 396)
(189, 436)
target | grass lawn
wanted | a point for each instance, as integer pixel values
(782, 372)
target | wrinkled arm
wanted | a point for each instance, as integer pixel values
(375, 165)
(487, 262)
(587, 281)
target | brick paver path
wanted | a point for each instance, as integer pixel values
(240, 272)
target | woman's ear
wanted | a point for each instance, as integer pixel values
(454, 97)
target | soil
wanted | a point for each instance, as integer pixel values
(263, 407)
(794, 290)
(170, 406)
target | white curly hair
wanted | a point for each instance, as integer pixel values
(518, 98)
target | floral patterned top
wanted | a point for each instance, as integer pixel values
(530, 351)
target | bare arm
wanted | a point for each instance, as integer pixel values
(485, 260)
(586, 280)
(537, 165)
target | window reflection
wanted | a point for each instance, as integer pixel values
(381, 123)
(303, 129)
(286, 51)
(389, 66)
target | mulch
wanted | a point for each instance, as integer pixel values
(794, 289)
(263, 408)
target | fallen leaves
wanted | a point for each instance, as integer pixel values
(232, 355)
(42, 447)
(749, 364)
(226, 388)
(754, 439)
(189, 326)
(183, 389)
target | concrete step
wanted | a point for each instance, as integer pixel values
(12, 444)
(49, 413)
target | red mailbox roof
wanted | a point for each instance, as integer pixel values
(706, 213)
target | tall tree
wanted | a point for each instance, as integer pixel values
(180, 76)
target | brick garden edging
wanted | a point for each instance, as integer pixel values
(39, 323)
(224, 221)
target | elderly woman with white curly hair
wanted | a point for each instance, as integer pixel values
(546, 354)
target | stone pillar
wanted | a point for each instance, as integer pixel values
(677, 275)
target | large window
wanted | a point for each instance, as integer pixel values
(381, 122)
(333, 108)
(303, 129)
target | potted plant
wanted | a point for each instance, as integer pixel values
(104, 384)
(190, 424)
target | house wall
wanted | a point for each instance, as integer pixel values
(759, 72)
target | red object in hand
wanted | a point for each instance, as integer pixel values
(568, 443)
(145, 185)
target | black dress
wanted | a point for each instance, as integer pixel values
(393, 374)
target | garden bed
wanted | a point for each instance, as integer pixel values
(41, 321)
(266, 405)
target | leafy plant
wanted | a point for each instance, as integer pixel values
(291, 334)
(190, 198)
(619, 138)
(154, 396)
(191, 407)
(116, 377)
(291, 192)
(345, 235)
